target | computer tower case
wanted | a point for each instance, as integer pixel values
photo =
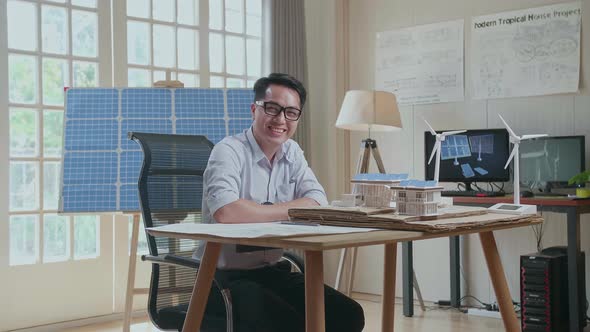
(544, 291)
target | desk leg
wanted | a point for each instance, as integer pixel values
(408, 278)
(490, 251)
(573, 269)
(131, 273)
(196, 307)
(314, 292)
(455, 255)
(388, 299)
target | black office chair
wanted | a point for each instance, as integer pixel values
(171, 191)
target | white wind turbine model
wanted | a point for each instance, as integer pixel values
(515, 139)
(439, 138)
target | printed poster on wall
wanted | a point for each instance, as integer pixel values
(527, 52)
(421, 64)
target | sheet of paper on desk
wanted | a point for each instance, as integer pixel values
(256, 230)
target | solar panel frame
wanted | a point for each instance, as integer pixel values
(101, 165)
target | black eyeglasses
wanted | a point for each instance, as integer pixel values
(274, 109)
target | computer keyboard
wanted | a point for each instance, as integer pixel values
(471, 193)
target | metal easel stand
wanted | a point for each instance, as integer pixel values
(367, 147)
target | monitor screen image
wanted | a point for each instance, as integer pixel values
(551, 159)
(476, 155)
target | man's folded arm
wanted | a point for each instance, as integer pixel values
(246, 211)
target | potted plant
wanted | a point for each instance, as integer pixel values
(583, 182)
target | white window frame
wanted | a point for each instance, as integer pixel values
(103, 60)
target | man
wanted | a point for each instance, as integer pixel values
(256, 176)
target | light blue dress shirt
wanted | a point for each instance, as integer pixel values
(238, 169)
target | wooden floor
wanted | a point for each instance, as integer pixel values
(439, 320)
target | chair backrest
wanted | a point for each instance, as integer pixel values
(171, 191)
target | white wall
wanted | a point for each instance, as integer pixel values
(403, 152)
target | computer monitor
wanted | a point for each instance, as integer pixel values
(551, 161)
(477, 155)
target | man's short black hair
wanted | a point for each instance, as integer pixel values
(279, 79)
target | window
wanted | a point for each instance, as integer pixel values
(51, 45)
(162, 35)
(54, 44)
(235, 42)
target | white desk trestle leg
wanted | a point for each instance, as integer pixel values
(131, 273)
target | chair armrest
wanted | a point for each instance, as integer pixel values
(172, 260)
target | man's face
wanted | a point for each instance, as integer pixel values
(271, 131)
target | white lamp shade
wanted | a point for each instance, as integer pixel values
(369, 110)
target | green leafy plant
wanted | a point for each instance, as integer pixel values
(581, 178)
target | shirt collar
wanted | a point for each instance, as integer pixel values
(258, 153)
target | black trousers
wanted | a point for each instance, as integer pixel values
(272, 299)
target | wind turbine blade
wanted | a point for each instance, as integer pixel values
(448, 133)
(510, 158)
(533, 136)
(432, 131)
(436, 148)
(508, 127)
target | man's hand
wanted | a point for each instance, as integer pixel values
(245, 211)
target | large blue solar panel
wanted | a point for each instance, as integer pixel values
(101, 165)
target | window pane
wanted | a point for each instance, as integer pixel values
(86, 240)
(189, 80)
(84, 33)
(235, 83)
(250, 83)
(163, 10)
(216, 82)
(139, 78)
(254, 56)
(164, 46)
(188, 12)
(216, 14)
(234, 56)
(22, 79)
(138, 43)
(84, 3)
(54, 29)
(216, 52)
(24, 133)
(55, 78)
(52, 133)
(188, 54)
(138, 8)
(142, 245)
(234, 16)
(51, 172)
(22, 25)
(56, 244)
(24, 185)
(85, 74)
(254, 17)
(24, 239)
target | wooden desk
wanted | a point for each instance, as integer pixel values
(572, 208)
(314, 278)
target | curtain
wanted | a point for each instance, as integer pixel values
(289, 56)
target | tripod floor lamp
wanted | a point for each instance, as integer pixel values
(368, 111)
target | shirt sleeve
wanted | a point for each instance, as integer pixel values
(221, 179)
(306, 184)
